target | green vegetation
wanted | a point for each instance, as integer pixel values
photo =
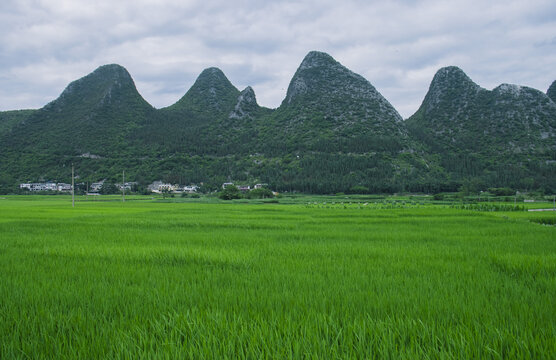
(261, 193)
(319, 277)
(334, 132)
(8, 119)
(109, 188)
(504, 138)
(230, 192)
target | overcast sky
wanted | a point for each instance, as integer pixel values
(164, 44)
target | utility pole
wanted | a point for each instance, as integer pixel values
(123, 185)
(72, 187)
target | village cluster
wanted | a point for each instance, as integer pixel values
(95, 188)
(156, 187)
(161, 187)
(47, 186)
(92, 189)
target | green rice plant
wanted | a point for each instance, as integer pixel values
(151, 279)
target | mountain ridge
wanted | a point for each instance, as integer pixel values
(504, 137)
(333, 131)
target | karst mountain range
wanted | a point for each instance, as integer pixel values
(333, 132)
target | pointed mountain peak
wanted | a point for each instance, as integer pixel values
(450, 84)
(452, 69)
(319, 73)
(458, 113)
(452, 77)
(210, 80)
(317, 59)
(552, 92)
(212, 74)
(113, 70)
(248, 95)
(211, 83)
(212, 90)
(92, 115)
(103, 76)
(246, 104)
(321, 85)
(107, 84)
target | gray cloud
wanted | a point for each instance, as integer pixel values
(165, 44)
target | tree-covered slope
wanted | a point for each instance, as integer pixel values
(333, 132)
(330, 108)
(506, 136)
(212, 118)
(8, 119)
(339, 132)
(211, 95)
(94, 116)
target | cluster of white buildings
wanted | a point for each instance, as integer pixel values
(244, 187)
(47, 186)
(95, 187)
(160, 187)
(156, 187)
(92, 189)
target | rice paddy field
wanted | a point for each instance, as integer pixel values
(301, 278)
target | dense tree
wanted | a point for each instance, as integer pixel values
(109, 188)
(230, 192)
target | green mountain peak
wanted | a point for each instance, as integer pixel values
(329, 108)
(246, 104)
(323, 84)
(317, 58)
(450, 84)
(91, 115)
(108, 84)
(212, 91)
(502, 136)
(333, 131)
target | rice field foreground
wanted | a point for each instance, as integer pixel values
(145, 279)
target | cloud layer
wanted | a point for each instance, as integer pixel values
(165, 44)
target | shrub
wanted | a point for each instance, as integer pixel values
(261, 193)
(503, 191)
(230, 192)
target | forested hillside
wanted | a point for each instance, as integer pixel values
(333, 132)
(503, 137)
(9, 119)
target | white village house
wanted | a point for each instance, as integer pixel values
(95, 187)
(244, 187)
(227, 184)
(159, 187)
(190, 189)
(127, 185)
(46, 186)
